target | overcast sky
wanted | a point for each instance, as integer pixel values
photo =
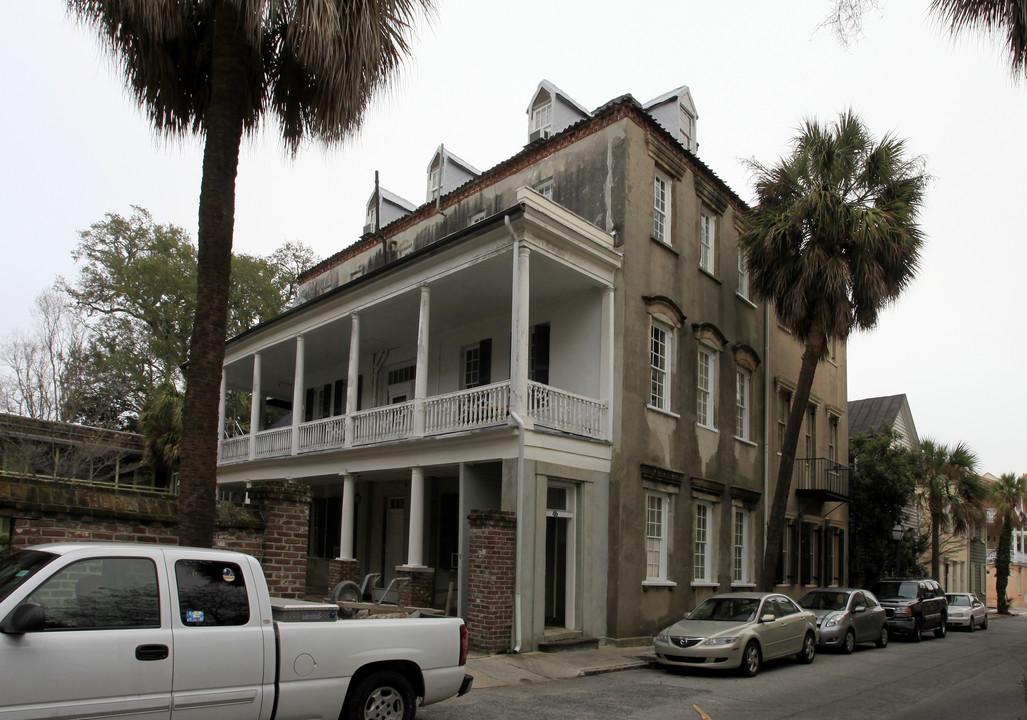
(73, 147)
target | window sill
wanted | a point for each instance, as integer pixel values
(745, 441)
(711, 276)
(703, 584)
(707, 427)
(661, 411)
(648, 585)
(664, 244)
(746, 300)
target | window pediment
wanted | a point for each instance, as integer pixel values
(710, 335)
(665, 307)
(746, 357)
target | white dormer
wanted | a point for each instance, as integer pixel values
(447, 172)
(551, 111)
(386, 207)
(675, 111)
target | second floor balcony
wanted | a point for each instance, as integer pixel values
(821, 479)
(509, 324)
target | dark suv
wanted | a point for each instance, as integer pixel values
(913, 605)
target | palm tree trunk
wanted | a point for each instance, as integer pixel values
(1002, 558)
(223, 127)
(936, 544)
(775, 531)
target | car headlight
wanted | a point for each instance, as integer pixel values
(720, 641)
(834, 620)
(662, 638)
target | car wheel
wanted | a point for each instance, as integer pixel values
(849, 643)
(984, 625)
(751, 660)
(939, 632)
(918, 630)
(882, 640)
(382, 695)
(809, 649)
(971, 627)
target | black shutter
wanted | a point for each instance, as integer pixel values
(326, 401)
(339, 398)
(308, 406)
(540, 353)
(360, 391)
(485, 361)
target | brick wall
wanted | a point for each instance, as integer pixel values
(490, 580)
(340, 570)
(419, 589)
(286, 510)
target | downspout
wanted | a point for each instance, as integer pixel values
(766, 429)
(520, 477)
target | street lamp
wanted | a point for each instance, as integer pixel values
(896, 534)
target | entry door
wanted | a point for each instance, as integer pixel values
(560, 556)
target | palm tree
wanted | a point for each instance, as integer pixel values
(950, 490)
(1006, 17)
(160, 423)
(833, 240)
(1007, 495)
(217, 68)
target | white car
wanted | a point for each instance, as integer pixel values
(739, 631)
(966, 611)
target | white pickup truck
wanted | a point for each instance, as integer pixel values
(99, 630)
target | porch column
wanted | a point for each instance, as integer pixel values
(298, 392)
(255, 394)
(519, 333)
(421, 369)
(222, 402)
(606, 361)
(415, 547)
(346, 533)
(352, 376)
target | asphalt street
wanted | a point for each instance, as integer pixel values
(982, 675)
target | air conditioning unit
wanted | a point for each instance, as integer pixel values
(540, 134)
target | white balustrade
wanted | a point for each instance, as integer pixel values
(324, 434)
(274, 443)
(561, 410)
(467, 409)
(234, 449)
(391, 422)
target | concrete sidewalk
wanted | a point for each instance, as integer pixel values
(537, 667)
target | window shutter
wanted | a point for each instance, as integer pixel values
(339, 398)
(308, 406)
(485, 362)
(540, 353)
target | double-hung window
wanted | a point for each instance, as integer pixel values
(542, 117)
(656, 536)
(741, 546)
(705, 396)
(707, 241)
(659, 366)
(743, 275)
(743, 382)
(661, 208)
(702, 562)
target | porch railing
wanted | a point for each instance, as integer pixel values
(391, 422)
(235, 449)
(323, 434)
(273, 443)
(467, 409)
(821, 476)
(566, 411)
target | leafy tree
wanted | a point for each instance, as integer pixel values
(881, 488)
(950, 490)
(1007, 18)
(1007, 495)
(218, 68)
(160, 423)
(833, 240)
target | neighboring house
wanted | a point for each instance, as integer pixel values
(1016, 587)
(564, 343)
(963, 555)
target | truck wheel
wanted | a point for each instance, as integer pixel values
(939, 632)
(384, 695)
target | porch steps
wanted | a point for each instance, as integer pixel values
(558, 640)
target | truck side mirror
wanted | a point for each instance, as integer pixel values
(27, 617)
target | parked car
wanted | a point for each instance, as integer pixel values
(966, 611)
(913, 606)
(846, 616)
(105, 630)
(739, 631)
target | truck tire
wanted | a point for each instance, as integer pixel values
(383, 695)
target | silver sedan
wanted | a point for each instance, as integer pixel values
(966, 611)
(847, 616)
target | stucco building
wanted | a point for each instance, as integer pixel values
(548, 383)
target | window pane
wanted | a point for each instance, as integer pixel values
(701, 541)
(211, 593)
(101, 593)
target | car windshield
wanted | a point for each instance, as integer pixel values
(727, 610)
(19, 567)
(960, 600)
(895, 589)
(824, 601)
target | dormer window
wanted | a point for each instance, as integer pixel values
(434, 183)
(542, 116)
(687, 125)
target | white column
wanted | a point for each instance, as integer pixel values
(255, 395)
(298, 393)
(415, 547)
(352, 375)
(421, 369)
(519, 333)
(222, 402)
(348, 517)
(606, 352)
